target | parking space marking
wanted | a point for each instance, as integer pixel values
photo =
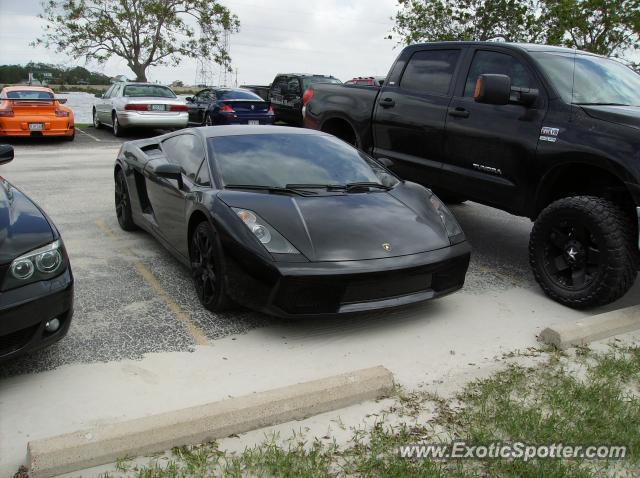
(90, 135)
(196, 333)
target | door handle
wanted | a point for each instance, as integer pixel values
(387, 102)
(459, 112)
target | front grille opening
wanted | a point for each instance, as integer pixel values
(16, 340)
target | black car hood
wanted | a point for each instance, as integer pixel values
(625, 115)
(23, 227)
(344, 227)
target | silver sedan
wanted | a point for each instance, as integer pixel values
(139, 105)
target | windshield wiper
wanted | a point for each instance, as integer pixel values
(601, 104)
(340, 187)
(365, 184)
(276, 189)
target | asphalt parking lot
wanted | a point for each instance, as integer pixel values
(133, 298)
(140, 343)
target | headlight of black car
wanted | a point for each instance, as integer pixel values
(41, 264)
(454, 231)
(271, 239)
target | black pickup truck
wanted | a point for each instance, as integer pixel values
(544, 132)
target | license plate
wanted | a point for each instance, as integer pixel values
(254, 122)
(157, 107)
(36, 126)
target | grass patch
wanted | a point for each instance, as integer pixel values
(83, 125)
(585, 398)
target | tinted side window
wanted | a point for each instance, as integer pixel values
(203, 178)
(204, 96)
(187, 151)
(294, 87)
(488, 62)
(430, 71)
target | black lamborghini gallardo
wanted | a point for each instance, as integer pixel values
(291, 222)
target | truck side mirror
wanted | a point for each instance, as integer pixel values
(6, 153)
(493, 89)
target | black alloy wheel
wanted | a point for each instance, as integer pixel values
(580, 253)
(123, 203)
(206, 268)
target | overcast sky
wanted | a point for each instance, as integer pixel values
(344, 38)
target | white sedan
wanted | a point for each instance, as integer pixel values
(139, 105)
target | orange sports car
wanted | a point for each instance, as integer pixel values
(34, 111)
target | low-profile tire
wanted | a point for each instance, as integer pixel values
(96, 121)
(117, 129)
(449, 198)
(207, 269)
(580, 253)
(123, 203)
(70, 137)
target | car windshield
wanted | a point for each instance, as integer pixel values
(237, 95)
(156, 91)
(278, 160)
(29, 95)
(596, 80)
(307, 81)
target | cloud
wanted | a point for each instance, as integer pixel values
(344, 38)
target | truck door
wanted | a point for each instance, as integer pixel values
(490, 148)
(410, 114)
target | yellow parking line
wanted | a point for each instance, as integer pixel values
(196, 333)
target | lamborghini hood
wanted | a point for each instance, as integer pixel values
(346, 227)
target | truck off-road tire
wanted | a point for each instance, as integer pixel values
(580, 252)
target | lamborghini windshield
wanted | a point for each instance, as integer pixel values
(280, 160)
(590, 80)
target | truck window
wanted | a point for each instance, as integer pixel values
(430, 71)
(492, 62)
(294, 87)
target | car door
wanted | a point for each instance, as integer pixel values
(490, 148)
(102, 106)
(198, 107)
(410, 114)
(167, 198)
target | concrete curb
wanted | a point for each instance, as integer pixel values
(593, 328)
(105, 444)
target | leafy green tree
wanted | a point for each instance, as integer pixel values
(439, 20)
(606, 27)
(142, 32)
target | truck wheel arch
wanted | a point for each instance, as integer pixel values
(341, 128)
(578, 178)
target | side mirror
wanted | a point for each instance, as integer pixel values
(493, 89)
(189, 99)
(524, 96)
(61, 100)
(6, 153)
(170, 171)
(99, 95)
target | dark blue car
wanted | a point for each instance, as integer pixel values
(215, 106)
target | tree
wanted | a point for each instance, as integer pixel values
(606, 27)
(143, 32)
(439, 20)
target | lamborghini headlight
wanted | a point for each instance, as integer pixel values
(454, 231)
(271, 239)
(41, 264)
